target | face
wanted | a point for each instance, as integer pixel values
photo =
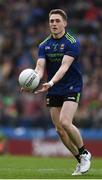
(57, 24)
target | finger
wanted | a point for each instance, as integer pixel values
(24, 90)
(36, 92)
(21, 89)
(45, 84)
(39, 91)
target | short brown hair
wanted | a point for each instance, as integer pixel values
(60, 12)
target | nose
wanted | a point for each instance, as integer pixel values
(54, 22)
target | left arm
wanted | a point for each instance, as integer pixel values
(66, 63)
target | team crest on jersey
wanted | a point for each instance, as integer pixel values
(62, 46)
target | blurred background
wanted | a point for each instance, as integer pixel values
(25, 123)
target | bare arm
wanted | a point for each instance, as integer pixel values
(66, 62)
(40, 66)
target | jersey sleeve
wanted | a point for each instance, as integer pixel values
(73, 49)
(41, 51)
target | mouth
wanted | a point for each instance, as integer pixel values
(54, 29)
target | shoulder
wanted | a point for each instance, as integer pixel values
(70, 39)
(45, 41)
(72, 45)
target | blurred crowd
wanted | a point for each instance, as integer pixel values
(23, 25)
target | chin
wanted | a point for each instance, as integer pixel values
(55, 33)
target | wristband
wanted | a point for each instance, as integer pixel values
(51, 83)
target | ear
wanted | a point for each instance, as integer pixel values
(65, 23)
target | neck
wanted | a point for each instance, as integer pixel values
(59, 35)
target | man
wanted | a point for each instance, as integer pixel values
(59, 52)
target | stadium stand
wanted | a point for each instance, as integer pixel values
(23, 26)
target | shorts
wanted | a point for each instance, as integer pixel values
(57, 101)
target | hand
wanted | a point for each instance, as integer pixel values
(44, 88)
(24, 90)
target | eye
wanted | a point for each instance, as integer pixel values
(51, 21)
(57, 20)
(54, 20)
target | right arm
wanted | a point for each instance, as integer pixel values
(40, 66)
